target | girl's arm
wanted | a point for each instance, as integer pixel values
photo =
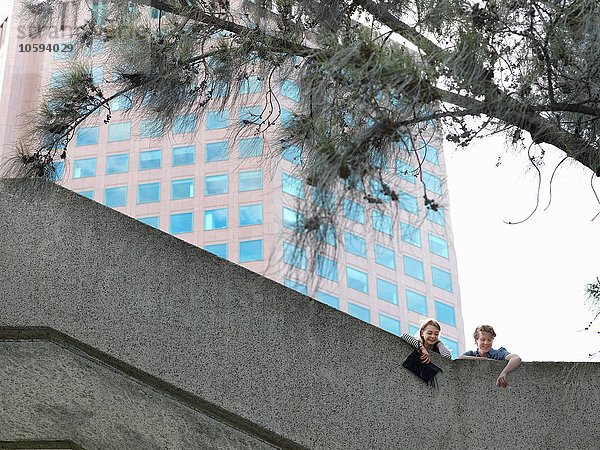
(444, 351)
(411, 340)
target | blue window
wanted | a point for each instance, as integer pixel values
(292, 219)
(97, 75)
(60, 56)
(250, 85)
(405, 143)
(357, 280)
(292, 153)
(413, 330)
(408, 202)
(390, 325)
(116, 196)
(385, 256)
(441, 279)
(286, 117)
(250, 180)
(87, 136)
(181, 223)
(416, 302)
(150, 128)
(436, 216)
(354, 211)
(432, 182)
(326, 233)
(251, 215)
(378, 159)
(251, 250)
(58, 79)
(299, 287)
(438, 245)
(152, 221)
(429, 153)
(445, 313)
(414, 268)
(217, 249)
(292, 185)
(410, 234)
(377, 191)
(355, 244)
(57, 170)
(327, 268)
(387, 291)
(217, 151)
(148, 192)
(215, 219)
(117, 163)
(452, 346)
(118, 132)
(249, 115)
(328, 299)
(216, 120)
(218, 89)
(382, 222)
(360, 312)
(251, 147)
(155, 13)
(87, 194)
(294, 256)
(290, 90)
(324, 199)
(83, 168)
(216, 184)
(151, 159)
(184, 155)
(185, 123)
(405, 171)
(182, 189)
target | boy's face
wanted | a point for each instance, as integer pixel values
(484, 342)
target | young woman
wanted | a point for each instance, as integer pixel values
(428, 341)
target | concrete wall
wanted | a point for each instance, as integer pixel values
(303, 371)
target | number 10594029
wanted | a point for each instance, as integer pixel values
(53, 48)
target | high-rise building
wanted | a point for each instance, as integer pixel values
(231, 197)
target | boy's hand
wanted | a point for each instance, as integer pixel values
(425, 359)
(502, 380)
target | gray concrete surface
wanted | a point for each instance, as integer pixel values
(300, 369)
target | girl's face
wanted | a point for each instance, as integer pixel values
(431, 335)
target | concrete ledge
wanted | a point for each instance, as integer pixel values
(258, 350)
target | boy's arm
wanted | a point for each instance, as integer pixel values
(471, 357)
(514, 361)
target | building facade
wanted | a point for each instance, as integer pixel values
(230, 196)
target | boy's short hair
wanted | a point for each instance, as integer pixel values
(486, 328)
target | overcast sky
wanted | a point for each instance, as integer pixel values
(526, 280)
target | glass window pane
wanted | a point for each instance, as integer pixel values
(87, 194)
(441, 279)
(294, 256)
(360, 312)
(116, 196)
(327, 268)
(410, 234)
(251, 250)
(326, 233)
(286, 117)
(387, 291)
(445, 313)
(414, 268)
(148, 192)
(182, 188)
(217, 249)
(250, 215)
(290, 90)
(97, 75)
(184, 155)
(250, 180)
(119, 132)
(152, 221)
(416, 302)
(432, 182)
(389, 324)
(216, 184)
(87, 136)
(215, 219)
(357, 280)
(117, 163)
(438, 245)
(292, 153)
(217, 151)
(181, 223)
(150, 128)
(150, 159)
(292, 219)
(385, 256)
(250, 147)
(436, 216)
(405, 171)
(292, 185)
(250, 115)
(408, 202)
(83, 168)
(429, 153)
(452, 346)
(354, 211)
(328, 299)
(216, 120)
(250, 84)
(355, 244)
(185, 123)
(299, 287)
(382, 222)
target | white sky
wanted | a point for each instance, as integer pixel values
(526, 280)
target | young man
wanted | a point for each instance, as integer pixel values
(484, 338)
